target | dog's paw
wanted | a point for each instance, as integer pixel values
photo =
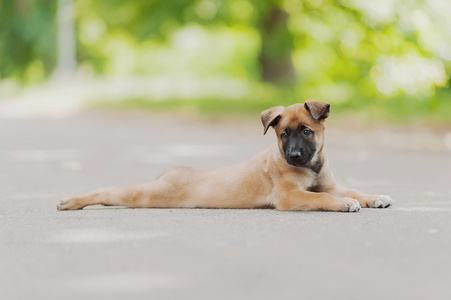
(350, 205)
(381, 201)
(69, 204)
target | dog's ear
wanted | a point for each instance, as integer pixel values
(271, 117)
(319, 110)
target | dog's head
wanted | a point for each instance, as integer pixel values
(299, 129)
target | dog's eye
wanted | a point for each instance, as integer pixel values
(307, 131)
(284, 134)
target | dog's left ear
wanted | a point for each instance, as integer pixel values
(271, 117)
(319, 110)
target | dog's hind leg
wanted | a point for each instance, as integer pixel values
(154, 194)
(169, 190)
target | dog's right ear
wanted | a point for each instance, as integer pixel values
(271, 117)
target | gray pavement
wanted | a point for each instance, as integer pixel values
(402, 252)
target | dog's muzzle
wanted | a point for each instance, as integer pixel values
(297, 158)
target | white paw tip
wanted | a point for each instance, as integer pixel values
(383, 201)
(354, 206)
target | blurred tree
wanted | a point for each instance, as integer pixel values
(145, 19)
(276, 47)
(66, 64)
(333, 49)
(27, 38)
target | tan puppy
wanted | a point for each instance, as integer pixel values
(292, 174)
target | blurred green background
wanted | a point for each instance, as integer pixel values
(386, 59)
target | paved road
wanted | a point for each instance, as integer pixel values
(111, 253)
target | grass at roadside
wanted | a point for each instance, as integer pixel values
(435, 110)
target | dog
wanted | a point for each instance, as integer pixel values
(292, 174)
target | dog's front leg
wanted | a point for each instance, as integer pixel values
(376, 201)
(303, 200)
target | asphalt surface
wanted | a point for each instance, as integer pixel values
(403, 252)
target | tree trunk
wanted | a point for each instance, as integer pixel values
(66, 64)
(276, 47)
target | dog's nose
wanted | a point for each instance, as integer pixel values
(295, 154)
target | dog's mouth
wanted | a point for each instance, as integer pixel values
(301, 162)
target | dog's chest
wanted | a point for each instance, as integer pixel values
(308, 180)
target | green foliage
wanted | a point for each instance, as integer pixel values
(353, 53)
(27, 40)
